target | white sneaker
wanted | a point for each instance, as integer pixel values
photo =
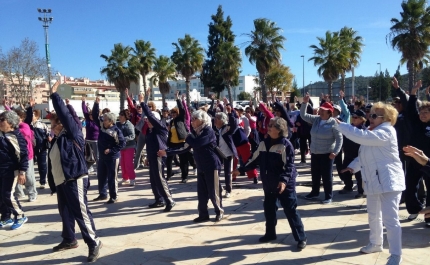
(125, 182)
(412, 217)
(132, 182)
(394, 260)
(370, 248)
(195, 172)
(296, 151)
(227, 195)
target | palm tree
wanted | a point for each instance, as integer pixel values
(353, 45)
(330, 57)
(143, 59)
(227, 62)
(164, 70)
(119, 69)
(188, 57)
(264, 48)
(411, 35)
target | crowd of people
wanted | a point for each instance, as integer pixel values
(386, 147)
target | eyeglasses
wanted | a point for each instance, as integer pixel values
(374, 116)
(138, 107)
(194, 119)
(424, 112)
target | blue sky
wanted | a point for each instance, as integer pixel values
(82, 30)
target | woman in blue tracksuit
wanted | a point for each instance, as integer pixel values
(110, 143)
(69, 174)
(275, 155)
(203, 141)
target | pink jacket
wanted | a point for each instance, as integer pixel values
(29, 136)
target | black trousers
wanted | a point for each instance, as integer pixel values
(209, 188)
(40, 156)
(346, 177)
(304, 148)
(159, 185)
(413, 178)
(228, 168)
(322, 167)
(9, 203)
(338, 162)
(183, 165)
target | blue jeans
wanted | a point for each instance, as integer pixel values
(322, 167)
(288, 200)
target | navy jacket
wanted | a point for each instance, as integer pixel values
(420, 132)
(351, 148)
(13, 153)
(402, 125)
(227, 135)
(71, 143)
(276, 160)
(110, 138)
(239, 136)
(156, 137)
(40, 130)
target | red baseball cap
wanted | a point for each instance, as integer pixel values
(327, 106)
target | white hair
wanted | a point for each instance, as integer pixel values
(222, 116)
(110, 116)
(202, 116)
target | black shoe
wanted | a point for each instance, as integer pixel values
(169, 206)
(94, 252)
(266, 238)
(156, 205)
(345, 191)
(112, 200)
(219, 217)
(63, 246)
(100, 198)
(168, 178)
(255, 180)
(302, 244)
(311, 196)
(360, 195)
(201, 219)
(184, 181)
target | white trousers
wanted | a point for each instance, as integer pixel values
(383, 209)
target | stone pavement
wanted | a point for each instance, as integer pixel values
(134, 234)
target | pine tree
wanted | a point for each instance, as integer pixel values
(219, 32)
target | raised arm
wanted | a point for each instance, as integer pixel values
(266, 111)
(412, 111)
(187, 113)
(96, 112)
(85, 109)
(29, 112)
(64, 115)
(74, 115)
(365, 137)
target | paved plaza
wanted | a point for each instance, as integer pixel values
(134, 234)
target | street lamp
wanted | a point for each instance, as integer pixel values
(380, 82)
(303, 89)
(45, 22)
(310, 82)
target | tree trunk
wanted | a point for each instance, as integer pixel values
(144, 84)
(187, 87)
(330, 88)
(163, 100)
(262, 77)
(411, 75)
(121, 99)
(230, 97)
(342, 81)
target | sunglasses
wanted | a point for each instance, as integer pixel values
(374, 116)
(138, 107)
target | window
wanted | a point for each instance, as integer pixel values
(194, 84)
(240, 88)
(240, 81)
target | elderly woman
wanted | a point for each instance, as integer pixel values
(14, 164)
(382, 175)
(275, 156)
(110, 143)
(326, 142)
(203, 141)
(70, 175)
(127, 152)
(91, 131)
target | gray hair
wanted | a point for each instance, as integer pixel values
(202, 116)
(222, 116)
(110, 116)
(281, 125)
(11, 117)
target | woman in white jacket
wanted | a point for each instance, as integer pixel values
(383, 179)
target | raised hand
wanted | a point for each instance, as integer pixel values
(98, 99)
(416, 87)
(32, 102)
(183, 96)
(228, 109)
(67, 101)
(55, 86)
(126, 92)
(177, 94)
(141, 98)
(341, 94)
(83, 98)
(395, 83)
(306, 97)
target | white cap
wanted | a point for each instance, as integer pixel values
(337, 107)
(157, 115)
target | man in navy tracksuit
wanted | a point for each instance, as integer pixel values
(70, 179)
(110, 143)
(156, 139)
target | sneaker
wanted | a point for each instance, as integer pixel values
(184, 181)
(6, 223)
(100, 198)
(345, 191)
(19, 222)
(169, 206)
(219, 217)
(125, 182)
(227, 195)
(112, 200)
(310, 196)
(328, 201)
(156, 205)
(30, 199)
(195, 172)
(141, 166)
(412, 217)
(94, 252)
(360, 195)
(394, 260)
(296, 151)
(428, 224)
(201, 219)
(370, 248)
(132, 182)
(255, 180)
(42, 186)
(64, 246)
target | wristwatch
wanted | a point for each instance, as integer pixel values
(22, 172)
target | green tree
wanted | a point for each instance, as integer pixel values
(188, 57)
(164, 70)
(410, 35)
(244, 96)
(294, 90)
(228, 62)
(353, 45)
(330, 58)
(279, 78)
(143, 59)
(119, 69)
(219, 32)
(264, 49)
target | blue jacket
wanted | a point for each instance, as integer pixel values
(239, 136)
(110, 138)
(156, 137)
(13, 152)
(276, 160)
(71, 143)
(284, 114)
(227, 134)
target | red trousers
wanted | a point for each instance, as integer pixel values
(244, 152)
(126, 162)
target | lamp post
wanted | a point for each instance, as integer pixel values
(380, 82)
(367, 94)
(310, 82)
(303, 89)
(45, 22)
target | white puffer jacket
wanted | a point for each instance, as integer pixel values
(378, 158)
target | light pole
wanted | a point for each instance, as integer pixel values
(380, 82)
(367, 94)
(303, 89)
(46, 21)
(310, 83)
